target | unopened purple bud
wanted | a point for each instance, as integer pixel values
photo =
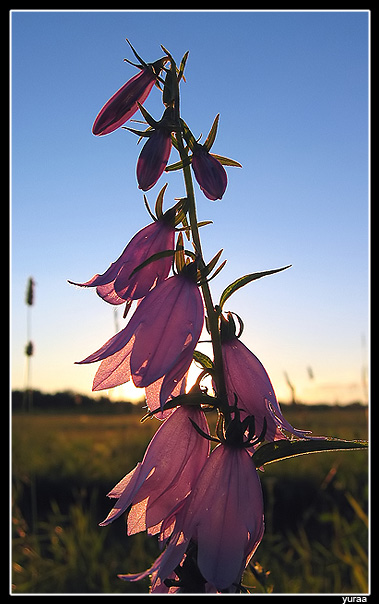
(209, 173)
(124, 103)
(153, 158)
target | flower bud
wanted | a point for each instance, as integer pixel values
(124, 103)
(156, 151)
(209, 173)
(153, 158)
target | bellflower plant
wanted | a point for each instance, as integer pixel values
(204, 506)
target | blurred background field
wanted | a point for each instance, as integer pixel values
(66, 456)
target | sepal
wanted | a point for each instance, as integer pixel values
(212, 134)
(203, 359)
(227, 161)
(159, 201)
(206, 271)
(194, 398)
(153, 258)
(178, 165)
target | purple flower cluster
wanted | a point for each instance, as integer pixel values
(205, 506)
(188, 496)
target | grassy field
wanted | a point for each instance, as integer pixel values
(316, 538)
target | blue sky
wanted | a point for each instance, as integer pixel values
(291, 89)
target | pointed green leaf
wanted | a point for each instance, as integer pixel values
(204, 223)
(148, 132)
(149, 118)
(226, 161)
(238, 283)
(203, 359)
(210, 266)
(192, 398)
(135, 53)
(169, 56)
(152, 258)
(202, 433)
(212, 134)
(199, 224)
(186, 227)
(148, 208)
(174, 141)
(188, 136)
(159, 201)
(178, 165)
(284, 449)
(182, 66)
(180, 260)
(217, 271)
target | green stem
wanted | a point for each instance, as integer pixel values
(212, 314)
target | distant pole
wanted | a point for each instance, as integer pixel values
(291, 387)
(29, 348)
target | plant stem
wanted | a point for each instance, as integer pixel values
(212, 314)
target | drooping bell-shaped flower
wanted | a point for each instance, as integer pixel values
(223, 516)
(158, 340)
(209, 173)
(124, 103)
(249, 387)
(118, 284)
(166, 475)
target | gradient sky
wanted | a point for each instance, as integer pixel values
(292, 92)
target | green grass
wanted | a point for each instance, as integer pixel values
(316, 538)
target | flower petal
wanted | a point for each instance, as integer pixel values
(247, 378)
(225, 509)
(170, 466)
(126, 489)
(114, 370)
(173, 315)
(154, 399)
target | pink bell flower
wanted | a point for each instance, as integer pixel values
(171, 464)
(223, 516)
(209, 173)
(117, 284)
(248, 385)
(158, 341)
(124, 103)
(153, 158)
